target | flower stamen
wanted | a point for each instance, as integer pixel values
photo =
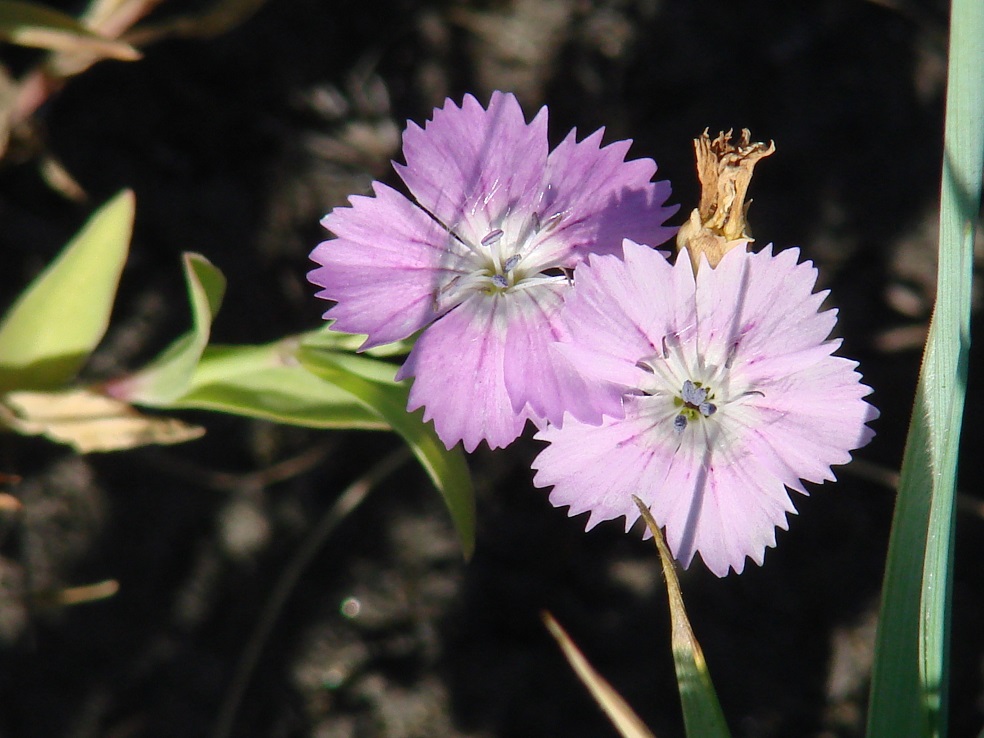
(492, 238)
(694, 403)
(552, 222)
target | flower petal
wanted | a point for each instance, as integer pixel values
(815, 418)
(600, 199)
(459, 364)
(620, 310)
(759, 305)
(745, 337)
(385, 267)
(542, 378)
(469, 165)
(597, 469)
(709, 505)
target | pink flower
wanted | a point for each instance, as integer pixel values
(731, 395)
(482, 262)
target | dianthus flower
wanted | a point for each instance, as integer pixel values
(731, 395)
(482, 262)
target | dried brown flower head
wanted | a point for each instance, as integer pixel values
(725, 170)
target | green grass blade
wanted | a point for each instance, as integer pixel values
(702, 715)
(57, 322)
(909, 680)
(447, 469)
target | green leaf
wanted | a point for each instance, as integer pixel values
(169, 376)
(447, 469)
(28, 24)
(267, 382)
(910, 672)
(57, 322)
(331, 340)
(702, 714)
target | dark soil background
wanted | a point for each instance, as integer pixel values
(236, 147)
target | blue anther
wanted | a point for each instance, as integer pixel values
(692, 395)
(492, 238)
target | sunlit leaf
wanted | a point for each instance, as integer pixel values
(328, 339)
(702, 714)
(447, 469)
(30, 24)
(268, 382)
(910, 673)
(61, 317)
(169, 376)
(89, 421)
(617, 709)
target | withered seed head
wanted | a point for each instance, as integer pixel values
(725, 171)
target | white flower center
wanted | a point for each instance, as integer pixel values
(503, 261)
(684, 392)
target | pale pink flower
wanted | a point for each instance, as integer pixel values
(731, 395)
(482, 262)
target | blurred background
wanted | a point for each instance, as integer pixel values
(237, 135)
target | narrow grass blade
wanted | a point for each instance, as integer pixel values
(617, 709)
(909, 680)
(57, 322)
(702, 714)
(447, 469)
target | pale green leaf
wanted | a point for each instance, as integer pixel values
(447, 469)
(702, 716)
(57, 322)
(268, 382)
(910, 672)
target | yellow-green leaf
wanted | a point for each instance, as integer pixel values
(57, 322)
